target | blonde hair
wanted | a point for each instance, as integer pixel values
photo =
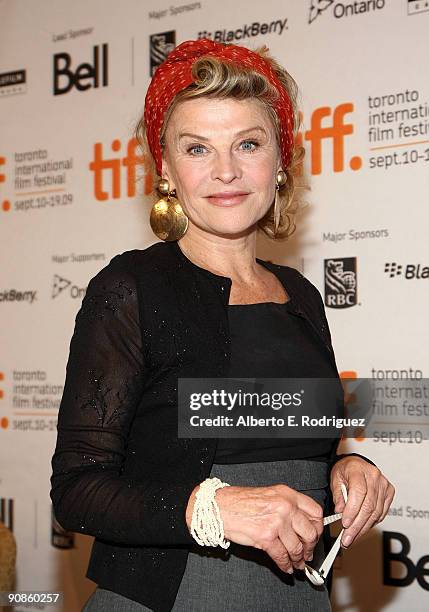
(215, 78)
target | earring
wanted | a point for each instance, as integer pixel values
(281, 180)
(167, 218)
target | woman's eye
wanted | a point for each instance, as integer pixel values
(250, 145)
(196, 149)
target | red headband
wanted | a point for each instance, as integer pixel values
(175, 74)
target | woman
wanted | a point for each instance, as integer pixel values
(219, 123)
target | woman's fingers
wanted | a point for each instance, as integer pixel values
(390, 494)
(299, 537)
(278, 553)
(374, 517)
(285, 523)
(371, 509)
(308, 533)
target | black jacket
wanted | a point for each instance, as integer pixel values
(120, 473)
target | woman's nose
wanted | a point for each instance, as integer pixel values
(226, 167)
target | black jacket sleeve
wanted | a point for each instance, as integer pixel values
(105, 376)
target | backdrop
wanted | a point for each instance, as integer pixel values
(73, 76)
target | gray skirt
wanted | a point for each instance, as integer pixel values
(243, 578)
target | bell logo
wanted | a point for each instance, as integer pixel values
(420, 570)
(337, 132)
(113, 168)
(85, 76)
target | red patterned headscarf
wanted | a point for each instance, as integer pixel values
(175, 74)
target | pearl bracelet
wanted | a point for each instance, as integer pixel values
(207, 523)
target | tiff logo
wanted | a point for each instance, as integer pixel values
(336, 132)
(108, 171)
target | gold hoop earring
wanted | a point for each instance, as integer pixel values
(167, 218)
(281, 180)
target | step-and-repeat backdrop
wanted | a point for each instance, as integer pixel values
(73, 77)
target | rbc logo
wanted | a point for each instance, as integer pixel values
(340, 282)
(84, 76)
(161, 45)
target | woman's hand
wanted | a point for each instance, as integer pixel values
(284, 523)
(369, 496)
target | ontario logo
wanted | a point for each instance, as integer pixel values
(342, 9)
(61, 284)
(340, 282)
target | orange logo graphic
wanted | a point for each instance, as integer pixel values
(2, 163)
(108, 173)
(5, 204)
(4, 421)
(350, 400)
(337, 130)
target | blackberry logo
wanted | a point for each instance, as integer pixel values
(340, 282)
(393, 269)
(409, 271)
(247, 30)
(160, 45)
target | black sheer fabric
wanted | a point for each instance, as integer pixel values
(269, 341)
(104, 380)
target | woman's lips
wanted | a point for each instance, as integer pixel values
(227, 198)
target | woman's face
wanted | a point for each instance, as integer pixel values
(222, 158)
